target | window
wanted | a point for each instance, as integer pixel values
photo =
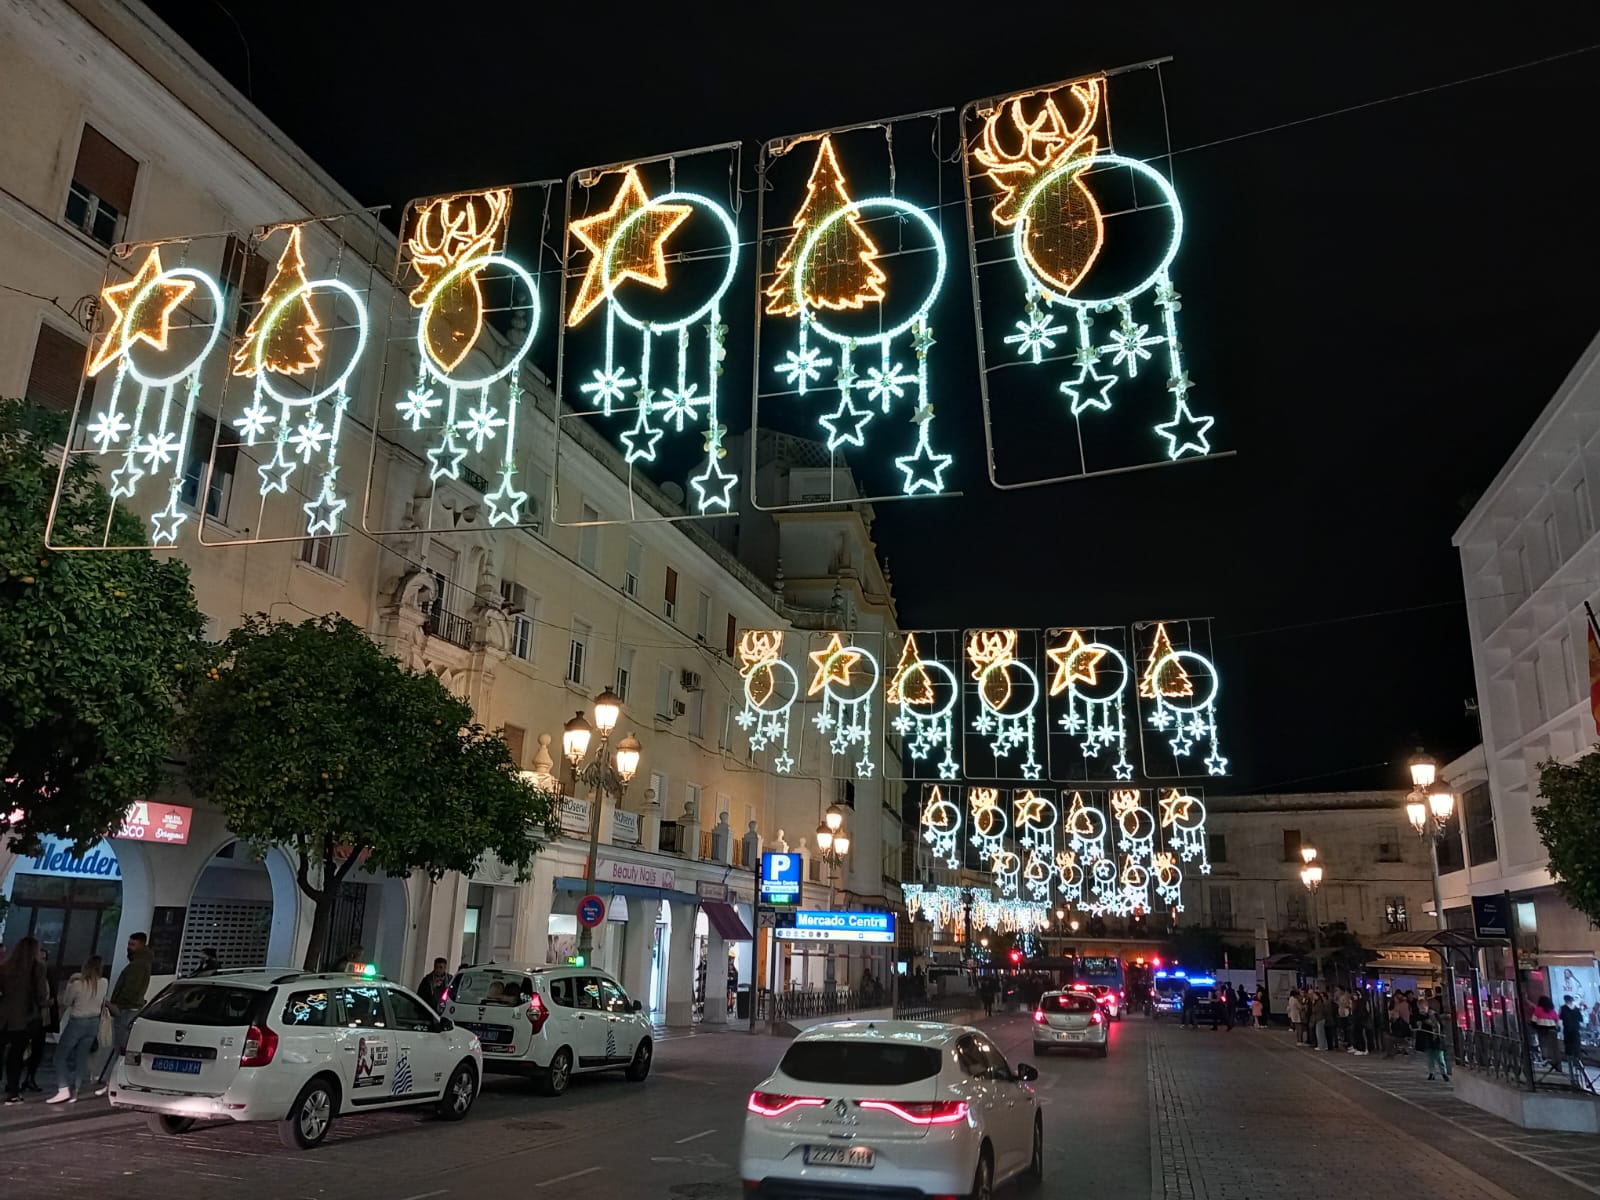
(1580, 501)
(1291, 845)
(1069, 1002)
(998, 1067)
(586, 993)
(102, 188)
(410, 1013)
(697, 714)
(524, 609)
(1552, 541)
(1217, 847)
(308, 1010)
(1451, 855)
(613, 998)
(577, 649)
(732, 646)
(321, 553)
(624, 672)
(867, 1064)
(220, 484)
(691, 793)
(244, 274)
(1389, 850)
(702, 616)
(522, 636)
(208, 1004)
(57, 369)
(516, 738)
(1523, 573)
(1294, 909)
(1222, 907)
(363, 1007)
(589, 538)
(1479, 814)
(664, 692)
(669, 605)
(1395, 916)
(634, 568)
(562, 992)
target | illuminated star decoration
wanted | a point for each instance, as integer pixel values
(1043, 170)
(844, 710)
(627, 243)
(1183, 823)
(830, 265)
(1177, 706)
(914, 695)
(770, 688)
(1008, 698)
(453, 245)
(1094, 716)
(152, 440)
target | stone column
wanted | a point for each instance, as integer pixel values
(535, 899)
(716, 977)
(680, 967)
(637, 945)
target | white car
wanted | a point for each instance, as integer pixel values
(904, 1108)
(1071, 1020)
(1110, 999)
(551, 1022)
(295, 1047)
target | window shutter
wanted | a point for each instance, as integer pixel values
(733, 635)
(57, 368)
(672, 586)
(514, 735)
(105, 170)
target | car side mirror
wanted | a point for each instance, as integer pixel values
(636, 1006)
(444, 1025)
(1027, 1072)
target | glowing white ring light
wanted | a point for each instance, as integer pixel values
(1026, 671)
(1003, 820)
(854, 209)
(794, 682)
(262, 371)
(1122, 664)
(955, 692)
(1199, 705)
(705, 309)
(139, 297)
(1071, 167)
(449, 277)
(866, 691)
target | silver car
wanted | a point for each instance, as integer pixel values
(1070, 1021)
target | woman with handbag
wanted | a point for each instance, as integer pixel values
(82, 1002)
(24, 992)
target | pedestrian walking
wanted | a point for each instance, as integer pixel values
(127, 998)
(433, 985)
(1399, 1026)
(82, 1001)
(1431, 1042)
(1319, 1019)
(1571, 1017)
(1360, 1022)
(986, 991)
(24, 993)
(1546, 1022)
(1346, 1014)
(1228, 1001)
(1297, 1014)
(46, 1020)
(1258, 1009)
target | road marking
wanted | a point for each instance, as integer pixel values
(567, 1176)
(694, 1137)
(426, 1195)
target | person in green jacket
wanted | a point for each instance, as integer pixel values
(127, 998)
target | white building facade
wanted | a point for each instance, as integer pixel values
(119, 132)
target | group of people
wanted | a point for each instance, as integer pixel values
(1559, 1033)
(1229, 1006)
(1345, 1019)
(88, 1015)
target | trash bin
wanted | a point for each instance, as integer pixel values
(742, 1005)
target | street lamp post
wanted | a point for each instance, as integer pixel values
(600, 774)
(833, 844)
(1311, 876)
(1429, 808)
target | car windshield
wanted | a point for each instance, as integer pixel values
(491, 987)
(1070, 1002)
(864, 1064)
(206, 1004)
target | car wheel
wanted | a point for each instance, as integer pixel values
(459, 1093)
(983, 1178)
(165, 1126)
(639, 1069)
(310, 1117)
(1036, 1163)
(553, 1080)
(1104, 1048)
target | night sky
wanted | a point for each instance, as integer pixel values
(1376, 305)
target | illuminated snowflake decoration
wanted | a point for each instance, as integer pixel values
(481, 424)
(610, 385)
(159, 449)
(107, 429)
(253, 422)
(1128, 345)
(418, 406)
(1036, 334)
(307, 439)
(884, 384)
(801, 367)
(680, 405)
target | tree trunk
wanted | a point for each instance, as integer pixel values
(321, 918)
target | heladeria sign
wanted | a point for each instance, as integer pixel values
(817, 925)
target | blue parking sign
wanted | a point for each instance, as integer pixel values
(780, 877)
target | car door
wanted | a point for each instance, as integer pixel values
(366, 1046)
(1012, 1132)
(979, 1090)
(421, 1048)
(622, 1029)
(590, 1023)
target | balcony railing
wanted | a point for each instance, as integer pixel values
(442, 623)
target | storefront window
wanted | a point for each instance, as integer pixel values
(71, 904)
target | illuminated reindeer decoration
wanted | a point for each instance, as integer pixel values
(452, 244)
(1041, 166)
(770, 689)
(1005, 710)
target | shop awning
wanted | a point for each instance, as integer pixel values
(725, 920)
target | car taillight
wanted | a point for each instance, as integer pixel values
(1095, 1018)
(260, 1044)
(775, 1104)
(538, 1014)
(444, 997)
(1038, 1016)
(921, 1112)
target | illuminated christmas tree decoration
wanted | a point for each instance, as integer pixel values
(1163, 673)
(770, 690)
(925, 722)
(1006, 710)
(844, 714)
(1092, 710)
(1183, 822)
(143, 311)
(941, 824)
(1135, 880)
(284, 341)
(986, 818)
(627, 242)
(1006, 867)
(1086, 827)
(1185, 714)
(846, 275)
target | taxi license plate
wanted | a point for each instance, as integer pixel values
(1073, 1037)
(839, 1156)
(182, 1066)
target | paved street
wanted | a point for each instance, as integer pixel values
(1170, 1114)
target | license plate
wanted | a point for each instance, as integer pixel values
(180, 1066)
(839, 1156)
(498, 1034)
(1073, 1037)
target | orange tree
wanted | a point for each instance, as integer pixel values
(1567, 823)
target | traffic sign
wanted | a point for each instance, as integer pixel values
(591, 911)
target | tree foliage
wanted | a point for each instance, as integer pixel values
(310, 736)
(1569, 826)
(97, 648)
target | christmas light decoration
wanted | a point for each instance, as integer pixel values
(846, 679)
(1041, 169)
(941, 824)
(1183, 822)
(284, 339)
(986, 818)
(1036, 823)
(830, 264)
(1137, 826)
(1008, 696)
(455, 246)
(1168, 879)
(1185, 714)
(1086, 690)
(770, 690)
(1135, 879)
(627, 242)
(157, 442)
(923, 693)
(1086, 827)
(1006, 867)
(945, 907)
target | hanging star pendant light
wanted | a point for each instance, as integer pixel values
(636, 254)
(1076, 662)
(834, 664)
(140, 315)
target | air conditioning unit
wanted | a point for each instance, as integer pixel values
(515, 596)
(689, 681)
(679, 708)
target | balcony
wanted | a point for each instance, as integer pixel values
(455, 629)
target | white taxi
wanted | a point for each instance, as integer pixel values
(901, 1108)
(1070, 1020)
(551, 1022)
(295, 1047)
